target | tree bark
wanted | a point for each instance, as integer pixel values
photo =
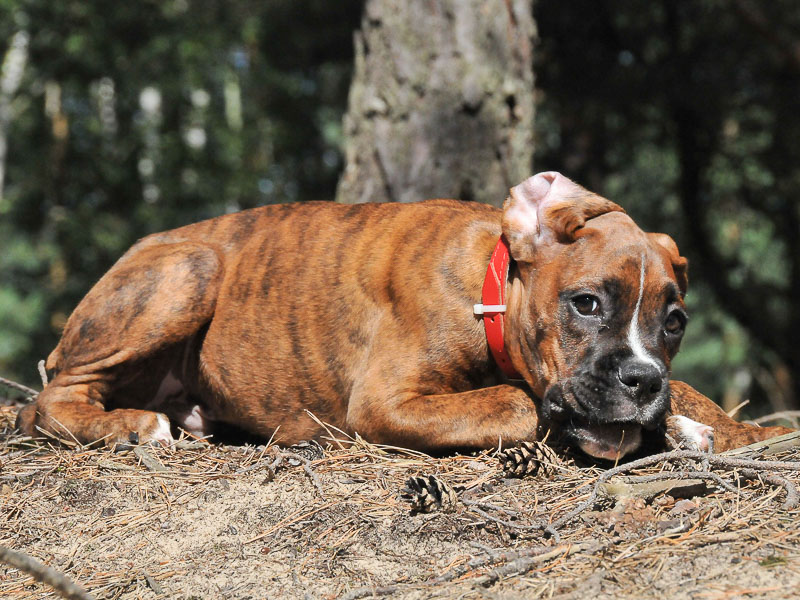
(441, 103)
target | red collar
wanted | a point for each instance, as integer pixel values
(493, 297)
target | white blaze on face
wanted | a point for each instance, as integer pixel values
(634, 338)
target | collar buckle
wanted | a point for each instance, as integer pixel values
(488, 309)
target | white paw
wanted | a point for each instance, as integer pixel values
(160, 433)
(690, 434)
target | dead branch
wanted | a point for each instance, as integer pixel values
(519, 565)
(776, 480)
(671, 477)
(491, 557)
(673, 455)
(44, 574)
(792, 415)
(664, 483)
(149, 461)
(42, 373)
(522, 565)
(488, 506)
(476, 508)
(768, 447)
(285, 455)
(19, 387)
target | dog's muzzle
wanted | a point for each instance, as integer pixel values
(605, 417)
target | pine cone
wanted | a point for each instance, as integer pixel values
(310, 450)
(529, 458)
(429, 493)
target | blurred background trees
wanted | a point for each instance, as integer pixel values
(136, 117)
(119, 121)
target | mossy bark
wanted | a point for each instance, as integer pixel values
(441, 104)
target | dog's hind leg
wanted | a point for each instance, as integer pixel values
(154, 298)
(728, 433)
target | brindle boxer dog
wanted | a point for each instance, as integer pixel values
(364, 316)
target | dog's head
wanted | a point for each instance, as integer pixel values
(595, 313)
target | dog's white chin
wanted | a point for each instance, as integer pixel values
(610, 441)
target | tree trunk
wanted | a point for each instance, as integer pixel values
(441, 104)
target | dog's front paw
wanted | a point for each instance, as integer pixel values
(158, 432)
(689, 434)
(139, 427)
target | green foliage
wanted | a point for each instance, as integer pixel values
(137, 117)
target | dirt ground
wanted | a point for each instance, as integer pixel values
(209, 521)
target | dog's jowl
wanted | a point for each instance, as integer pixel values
(437, 325)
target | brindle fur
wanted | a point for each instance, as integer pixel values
(360, 314)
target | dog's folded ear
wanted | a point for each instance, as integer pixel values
(548, 208)
(680, 265)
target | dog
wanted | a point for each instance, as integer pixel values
(437, 325)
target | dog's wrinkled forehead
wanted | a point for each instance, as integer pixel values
(613, 243)
(608, 240)
(615, 229)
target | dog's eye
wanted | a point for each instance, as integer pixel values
(586, 305)
(675, 322)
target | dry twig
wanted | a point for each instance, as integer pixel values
(41, 572)
(42, 373)
(776, 480)
(285, 455)
(19, 387)
(520, 564)
(714, 459)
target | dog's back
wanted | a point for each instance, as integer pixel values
(265, 312)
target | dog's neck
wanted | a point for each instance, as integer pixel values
(492, 308)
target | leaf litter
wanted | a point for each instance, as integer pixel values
(200, 520)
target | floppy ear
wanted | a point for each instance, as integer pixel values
(679, 264)
(548, 208)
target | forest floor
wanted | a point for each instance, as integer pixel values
(208, 521)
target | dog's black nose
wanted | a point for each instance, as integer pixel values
(643, 380)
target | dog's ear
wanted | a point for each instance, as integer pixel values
(548, 208)
(680, 265)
